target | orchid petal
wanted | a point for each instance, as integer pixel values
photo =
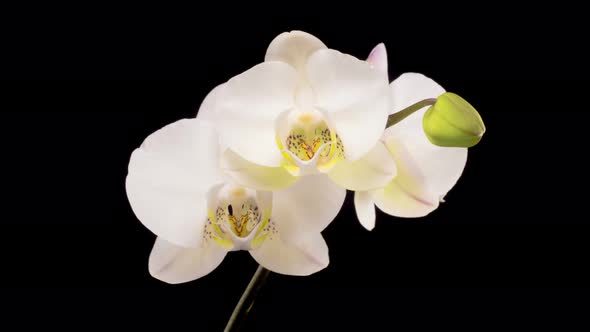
(174, 264)
(411, 88)
(353, 96)
(365, 209)
(306, 207)
(293, 48)
(169, 177)
(247, 107)
(300, 259)
(254, 176)
(378, 58)
(374, 170)
(407, 195)
(207, 109)
(440, 167)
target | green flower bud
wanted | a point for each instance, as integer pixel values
(453, 122)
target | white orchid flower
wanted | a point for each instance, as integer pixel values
(425, 172)
(306, 110)
(177, 190)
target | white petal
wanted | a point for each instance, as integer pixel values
(411, 88)
(365, 209)
(378, 58)
(207, 108)
(306, 207)
(248, 106)
(301, 259)
(399, 201)
(174, 265)
(207, 111)
(353, 96)
(340, 80)
(374, 170)
(408, 194)
(441, 167)
(294, 48)
(168, 180)
(254, 176)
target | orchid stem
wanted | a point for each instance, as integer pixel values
(247, 300)
(399, 116)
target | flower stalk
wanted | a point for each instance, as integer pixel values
(246, 302)
(399, 116)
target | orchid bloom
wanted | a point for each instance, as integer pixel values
(425, 172)
(177, 189)
(306, 110)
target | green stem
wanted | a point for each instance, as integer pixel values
(247, 300)
(399, 116)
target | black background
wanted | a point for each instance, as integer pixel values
(509, 248)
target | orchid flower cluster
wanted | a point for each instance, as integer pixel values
(267, 161)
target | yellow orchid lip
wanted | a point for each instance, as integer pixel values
(310, 145)
(237, 222)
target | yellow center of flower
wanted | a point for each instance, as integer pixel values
(235, 221)
(308, 139)
(306, 118)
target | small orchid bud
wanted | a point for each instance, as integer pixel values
(453, 122)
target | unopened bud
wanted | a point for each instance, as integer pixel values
(453, 122)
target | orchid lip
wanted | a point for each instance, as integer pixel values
(236, 220)
(308, 144)
(242, 243)
(307, 167)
